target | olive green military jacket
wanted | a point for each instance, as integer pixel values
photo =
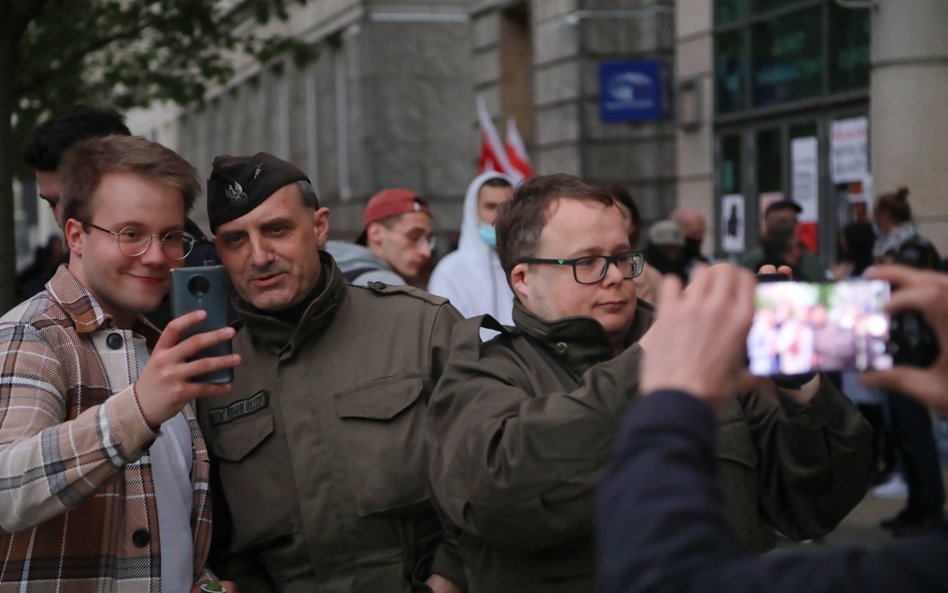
(321, 448)
(523, 427)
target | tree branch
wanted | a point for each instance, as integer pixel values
(23, 18)
(77, 56)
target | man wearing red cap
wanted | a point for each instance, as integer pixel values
(395, 245)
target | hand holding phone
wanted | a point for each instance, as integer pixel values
(204, 288)
(803, 327)
(923, 295)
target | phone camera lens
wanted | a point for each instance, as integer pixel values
(199, 286)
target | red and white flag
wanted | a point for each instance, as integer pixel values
(520, 167)
(493, 156)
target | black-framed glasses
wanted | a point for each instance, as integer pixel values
(591, 269)
(133, 242)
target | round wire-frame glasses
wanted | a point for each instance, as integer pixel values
(133, 242)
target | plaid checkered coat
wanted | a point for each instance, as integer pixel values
(77, 499)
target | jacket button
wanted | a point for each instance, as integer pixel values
(141, 537)
(562, 347)
(114, 341)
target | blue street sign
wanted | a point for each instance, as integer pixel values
(631, 91)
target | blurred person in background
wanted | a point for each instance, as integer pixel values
(665, 250)
(693, 226)
(49, 140)
(646, 283)
(911, 424)
(395, 244)
(778, 215)
(854, 246)
(471, 277)
(853, 256)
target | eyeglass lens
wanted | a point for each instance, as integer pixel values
(176, 244)
(590, 270)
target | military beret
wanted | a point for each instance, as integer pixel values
(238, 184)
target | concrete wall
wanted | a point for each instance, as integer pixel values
(694, 83)
(387, 103)
(391, 99)
(909, 127)
(570, 39)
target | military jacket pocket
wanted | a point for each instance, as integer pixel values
(383, 433)
(254, 478)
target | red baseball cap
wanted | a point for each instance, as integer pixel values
(390, 202)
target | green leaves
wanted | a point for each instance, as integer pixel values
(130, 53)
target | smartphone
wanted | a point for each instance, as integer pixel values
(207, 288)
(803, 327)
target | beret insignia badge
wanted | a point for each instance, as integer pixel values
(235, 193)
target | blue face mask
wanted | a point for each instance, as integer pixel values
(487, 233)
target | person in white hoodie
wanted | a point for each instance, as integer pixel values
(471, 277)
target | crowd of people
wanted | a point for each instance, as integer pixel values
(553, 414)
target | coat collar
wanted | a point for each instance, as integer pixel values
(579, 342)
(283, 337)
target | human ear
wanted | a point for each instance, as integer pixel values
(520, 281)
(74, 235)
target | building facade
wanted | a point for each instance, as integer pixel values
(390, 102)
(827, 102)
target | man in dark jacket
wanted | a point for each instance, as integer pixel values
(320, 446)
(523, 425)
(667, 533)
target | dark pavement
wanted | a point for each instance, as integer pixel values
(861, 526)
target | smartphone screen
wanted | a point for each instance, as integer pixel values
(801, 327)
(207, 288)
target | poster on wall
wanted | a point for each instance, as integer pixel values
(859, 195)
(805, 177)
(732, 223)
(849, 149)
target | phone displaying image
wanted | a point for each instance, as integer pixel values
(801, 327)
(207, 288)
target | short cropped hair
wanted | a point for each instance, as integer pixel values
(49, 140)
(84, 165)
(521, 220)
(624, 197)
(308, 194)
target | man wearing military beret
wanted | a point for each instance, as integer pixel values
(320, 447)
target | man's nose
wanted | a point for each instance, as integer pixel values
(613, 273)
(154, 254)
(260, 252)
(424, 246)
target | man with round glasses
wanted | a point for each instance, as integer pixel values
(523, 425)
(103, 470)
(133, 241)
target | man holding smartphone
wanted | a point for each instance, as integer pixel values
(103, 471)
(321, 447)
(523, 425)
(667, 533)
